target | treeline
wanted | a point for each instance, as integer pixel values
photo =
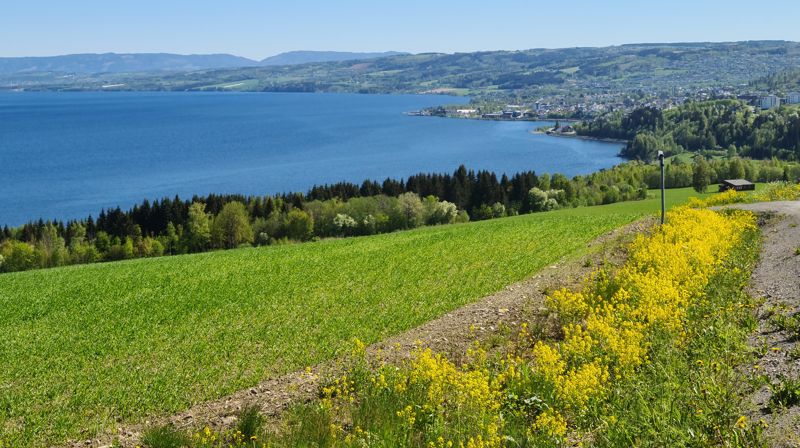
(726, 126)
(702, 172)
(174, 226)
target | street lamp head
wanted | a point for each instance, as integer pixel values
(661, 155)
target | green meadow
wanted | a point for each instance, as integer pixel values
(85, 348)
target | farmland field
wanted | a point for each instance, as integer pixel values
(85, 347)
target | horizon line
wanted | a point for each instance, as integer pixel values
(401, 52)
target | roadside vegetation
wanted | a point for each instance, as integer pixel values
(649, 354)
(610, 377)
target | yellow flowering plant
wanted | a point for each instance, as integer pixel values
(624, 335)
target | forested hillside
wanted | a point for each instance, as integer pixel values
(724, 125)
(784, 81)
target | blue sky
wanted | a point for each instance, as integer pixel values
(257, 29)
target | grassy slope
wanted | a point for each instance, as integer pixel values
(85, 346)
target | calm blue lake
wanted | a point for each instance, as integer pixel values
(67, 155)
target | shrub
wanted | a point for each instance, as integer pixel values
(410, 208)
(785, 394)
(345, 225)
(789, 324)
(542, 201)
(165, 437)
(17, 256)
(299, 225)
(250, 422)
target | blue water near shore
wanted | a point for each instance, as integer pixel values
(67, 155)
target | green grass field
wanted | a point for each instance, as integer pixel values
(86, 347)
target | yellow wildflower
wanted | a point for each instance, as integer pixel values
(550, 423)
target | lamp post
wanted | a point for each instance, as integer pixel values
(661, 162)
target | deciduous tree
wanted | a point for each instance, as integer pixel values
(198, 228)
(231, 227)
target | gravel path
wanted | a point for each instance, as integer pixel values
(776, 279)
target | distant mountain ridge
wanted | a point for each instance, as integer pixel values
(92, 63)
(666, 68)
(305, 57)
(121, 62)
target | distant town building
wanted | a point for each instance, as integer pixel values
(770, 102)
(511, 114)
(492, 116)
(793, 98)
(751, 99)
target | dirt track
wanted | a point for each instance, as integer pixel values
(776, 279)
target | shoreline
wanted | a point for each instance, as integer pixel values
(536, 131)
(580, 137)
(548, 120)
